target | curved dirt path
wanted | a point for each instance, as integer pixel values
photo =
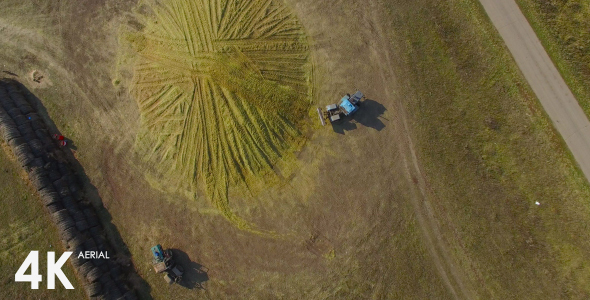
(452, 275)
(532, 59)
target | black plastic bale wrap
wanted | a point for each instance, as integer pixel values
(5, 117)
(30, 135)
(34, 117)
(49, 196)
(77, 261)
(54, 175)
(43, 135)
(78, 195)
(94, 274)
(82, 225)
(11, 87)
(64, 169)
(25, 128)
(70, 204)
(37, 124)
(69, 233)
(64, 225)
(62, 216)
(100, 243)
(5, 100)
(72, 180)
(116, 272)
(55, 207)
(101, 263)
(37, 147)
(76, 242)
(91, 217)
(122, 286)
(16, 95)
(25, 108)
(18, 99)
(23, 154)
(78, 215)
(93, 289)
(6, 103)
(38, 177)
(130, 295)
(6, 123)
(106, 278)
(9, 131)
(111, 289)
(38, 162)
(85, 268)
(20, 146)
(14, 112)
(21, 120)
(90, 245)
(61, 186)
(74, 188)
(97, 232)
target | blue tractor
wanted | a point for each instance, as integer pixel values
(164, 263)
(348, 105)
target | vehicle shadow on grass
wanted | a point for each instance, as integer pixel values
(122, 253)
(195, 275)
(367, 115)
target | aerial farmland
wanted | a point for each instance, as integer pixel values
(283, 149)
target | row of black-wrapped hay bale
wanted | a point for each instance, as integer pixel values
(61, 193)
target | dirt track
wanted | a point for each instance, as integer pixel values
(555, 96)
(452, 276)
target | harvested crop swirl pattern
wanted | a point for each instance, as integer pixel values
(222, 87)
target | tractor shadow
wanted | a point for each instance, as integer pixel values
(194, 274)
(123, 255)
(367, 115)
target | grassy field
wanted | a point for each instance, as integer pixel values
(489, 153)
(222, 87)
(564, 30)
(25, 226)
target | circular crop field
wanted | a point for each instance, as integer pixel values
(223, 89)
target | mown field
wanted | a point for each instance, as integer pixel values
(489, 153)
(564, 30)
(24, 226)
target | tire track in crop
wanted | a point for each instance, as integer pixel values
(222, 87)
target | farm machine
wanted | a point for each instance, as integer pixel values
(164, 263)
(348, 105)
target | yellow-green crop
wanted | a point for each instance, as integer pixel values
(222, 87)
